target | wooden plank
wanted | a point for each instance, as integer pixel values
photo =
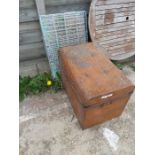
(121, 51)
(31, 46)
(106, 21)
(31, 3)
(116, 37)
(68, 8)
(115, 40)
(26, 4)
(102, 34)
(31, 51)
(127, 45)
(28, 37)
(111, 30)
(120, 42)
(115, 10)
(114, 6)
(29, 26)
(123, 57)
(40, 4)
(118, 14)
(115, 26)
(103, 2)
(28, 15)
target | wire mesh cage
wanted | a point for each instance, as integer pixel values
(62, 29)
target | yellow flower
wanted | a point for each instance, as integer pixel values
(49, 83)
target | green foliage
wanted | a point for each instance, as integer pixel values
(120, 65)
(57, 82)
(132, 66)
(38, 84)
(23, 86)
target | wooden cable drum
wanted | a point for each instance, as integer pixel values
(112, 27)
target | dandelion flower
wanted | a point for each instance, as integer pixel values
(49, 83)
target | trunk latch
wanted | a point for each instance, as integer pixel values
(106, 96)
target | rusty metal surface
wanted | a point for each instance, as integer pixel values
(98, 91)
(92, 74)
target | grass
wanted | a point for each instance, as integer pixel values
(37, 84)
(120, 65)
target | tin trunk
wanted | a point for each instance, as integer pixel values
(97, 89)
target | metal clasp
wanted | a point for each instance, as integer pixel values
(106, 96)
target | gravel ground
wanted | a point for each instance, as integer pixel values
(47, 127)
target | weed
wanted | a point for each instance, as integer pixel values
(119, 65)
(38, 84)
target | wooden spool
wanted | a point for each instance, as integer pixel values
(112, 29)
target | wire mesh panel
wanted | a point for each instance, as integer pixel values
(62, 29)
